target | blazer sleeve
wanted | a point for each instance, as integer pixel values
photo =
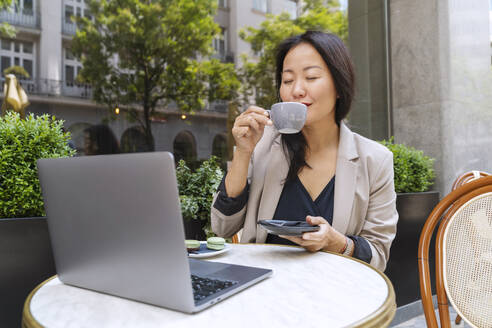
(228, 213)
(379, 228)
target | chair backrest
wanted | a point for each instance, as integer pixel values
(467, 177)
(442, 299)
(446, 209)
(467, 260)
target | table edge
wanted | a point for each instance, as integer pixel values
(382, 317)
(28, 320)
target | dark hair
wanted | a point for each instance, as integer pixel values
(337, 58)
(104, 139)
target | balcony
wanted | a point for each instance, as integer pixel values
(68, 28)
(25, 18)
(218, 106)
(225, 57)
(46, 87)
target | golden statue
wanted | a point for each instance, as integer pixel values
(14, 97)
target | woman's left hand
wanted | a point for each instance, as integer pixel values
(326, 238)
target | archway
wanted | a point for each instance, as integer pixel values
(184, 147)
(133, 140)
(219, 147)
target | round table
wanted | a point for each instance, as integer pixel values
(306, 290)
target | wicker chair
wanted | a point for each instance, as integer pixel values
(463, 254)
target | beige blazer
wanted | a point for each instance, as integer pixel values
(365, 198)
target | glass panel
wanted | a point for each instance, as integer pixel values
(5, 63)
(27, 64)
(6, 44)
(28, 8)
(68, 14)
(223, 3)
(260, 5)
(69, 54)
(69, 73)
(79, 12)
(27, 47)
(17, 46)
(87, 14)
(16, 61)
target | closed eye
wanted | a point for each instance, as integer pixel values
(287, 81)
(311, 78)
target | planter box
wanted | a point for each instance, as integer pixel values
(402, 268)
(26, 260)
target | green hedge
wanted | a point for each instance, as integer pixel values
(196, 188)
(414, 172)
(22, 143)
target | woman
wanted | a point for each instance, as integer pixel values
(324, 174)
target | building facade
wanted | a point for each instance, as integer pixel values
(42, 47)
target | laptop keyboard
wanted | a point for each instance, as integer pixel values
(204, 287)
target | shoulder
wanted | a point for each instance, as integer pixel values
(368, 148)
(372, 156)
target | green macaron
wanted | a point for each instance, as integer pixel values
(192, 245)
(215, 243)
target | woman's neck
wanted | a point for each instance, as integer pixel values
(321, 136)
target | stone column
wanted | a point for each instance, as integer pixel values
(50, 44)
(441, 83)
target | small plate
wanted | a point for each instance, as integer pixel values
(204, 252)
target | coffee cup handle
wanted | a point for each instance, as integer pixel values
(269, 111)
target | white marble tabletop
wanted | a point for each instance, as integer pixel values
(305, 290)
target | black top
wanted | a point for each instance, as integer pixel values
(295, 203)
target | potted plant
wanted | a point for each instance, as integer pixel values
(414, 175)
(25, 249)
(196, 191)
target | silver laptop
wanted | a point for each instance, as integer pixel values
(116, 227)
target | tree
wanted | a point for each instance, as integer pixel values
(258, 77)
(5, 29)
(145, 54)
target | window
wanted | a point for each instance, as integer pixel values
(69, 74)
(27, 64)
(290, 6)
(27, 47)
(74, 9)
(68, 14)
(71, 66)
(223, 3)
(220, 43)
(4, 63)
(6, 44)
(18, 53)
(261, 5)
(25, 7)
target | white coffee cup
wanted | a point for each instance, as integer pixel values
(288, 117)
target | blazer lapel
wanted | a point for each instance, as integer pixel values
(346, 179)
(276, 172)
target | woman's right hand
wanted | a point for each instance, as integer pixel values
(248, 128)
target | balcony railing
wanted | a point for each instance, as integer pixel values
(25, 18)
(47, 87)
(68, 27)
(219, 106)
(227, 57)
